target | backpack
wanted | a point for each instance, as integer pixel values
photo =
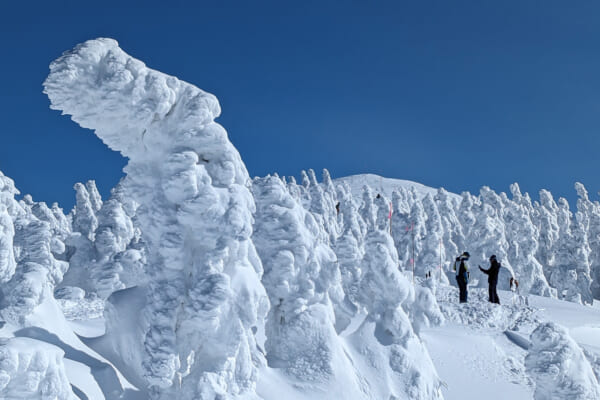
(456, 266)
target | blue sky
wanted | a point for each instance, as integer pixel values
(453, 94)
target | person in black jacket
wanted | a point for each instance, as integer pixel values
(492, 274)
(461, 268)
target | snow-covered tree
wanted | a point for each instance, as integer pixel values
(580, 255)
(558, 366)
(84, 215)
(466, 216)
(402, 228)
(37, 273)
(548, 230)
(204, 293)
(322, 206)
(9, 209)
(112, 237)
(34, 370)
(521, 236)
(301, 278)
(594, 243)
(453, 237)
(367, 209)
(418, 230)
(570, 274)
(94, 195)
(349, 248)
(387, 296)
(433, 254)
(487, 236)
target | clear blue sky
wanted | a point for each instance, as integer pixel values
(454, 94)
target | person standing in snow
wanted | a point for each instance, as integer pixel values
(492, 274)
(462, 275)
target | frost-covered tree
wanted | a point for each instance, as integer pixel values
(580, 255)
(367, 209)
(433, 253)
(487, 236)
(9, 209)
(387, 296)
(305, 195)
(294, 189)
(7, 255)
(570, 274)
(112, 237)
(301, 279)
(84, 215)
(80, 251)
(521, 236)
(322, 206)
(466, 216)
(349, 248)
(418, 231)
(547, 223)
(594, 243)
(558, 366)
(585, 207)
(29, 246)
(453, 237)
(402, 227)
(37, 273)
(204, 293)
(33, 370)
(94, 195)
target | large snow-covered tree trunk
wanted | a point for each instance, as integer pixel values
(204, 292)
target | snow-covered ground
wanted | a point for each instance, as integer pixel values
(480, 351)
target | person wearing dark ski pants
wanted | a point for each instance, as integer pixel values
(462, 276)
(492, 274)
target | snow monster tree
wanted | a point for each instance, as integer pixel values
(204, 294)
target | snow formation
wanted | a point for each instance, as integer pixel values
(193, 281)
